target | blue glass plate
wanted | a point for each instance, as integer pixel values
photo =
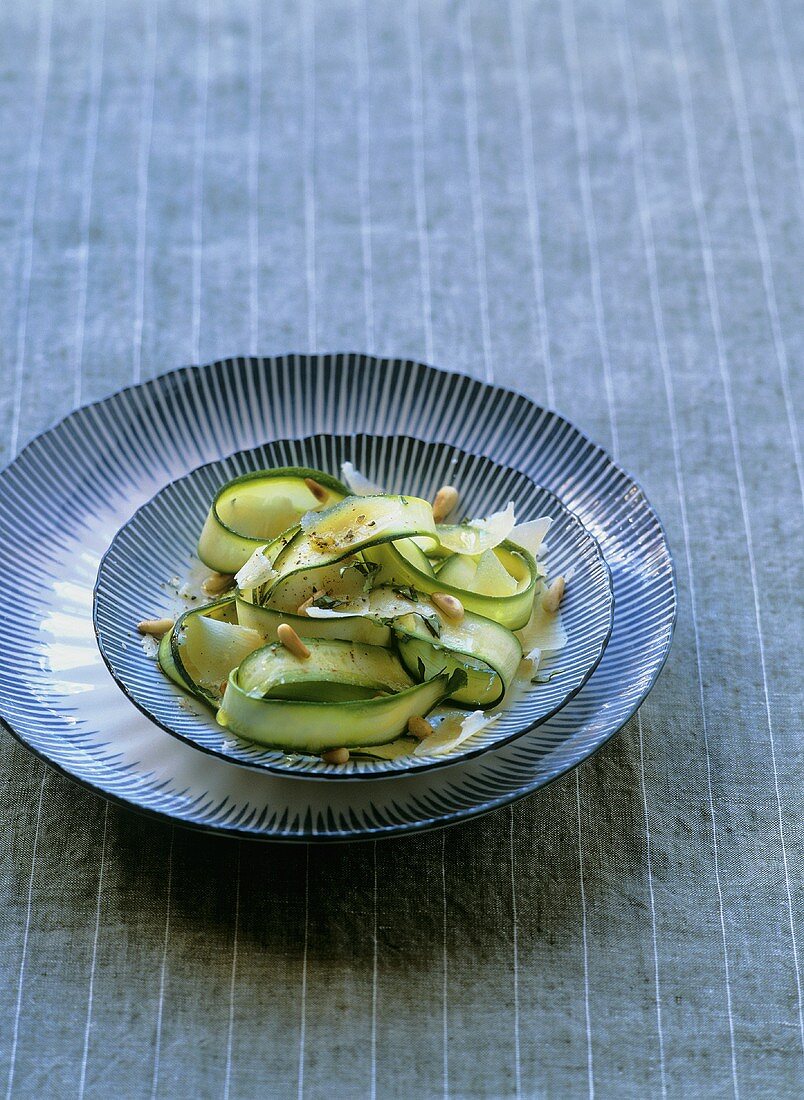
(69, 492)
(159, 541)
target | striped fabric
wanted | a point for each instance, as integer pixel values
(599, 204)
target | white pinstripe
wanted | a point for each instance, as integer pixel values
(308, 131)
(87, 177)
(91, 993)
(92, 123)
(528, 162)
(374, 976)
(737, 90)
(303, 1021)
(143, 164)
(649, 862)
(232, 981)
(25, 250)
(515, 949)
(444, 972)
(25, 934)
(201, 87)
(254, 125)
(363, 76)
(473, 153)
(419, 189)
(646, 225)
(473, 149)
(163, 969)
(590, 1067)
(417, 119)
(26, 240)
(582, 143)
(363, 162)
(789, 86)
(696, 193)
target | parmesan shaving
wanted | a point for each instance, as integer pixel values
(534, 658)
(348, 612)
(544, 630)
(358, 482)
(394, 749)
(530, 535)
(479, 535)
(257, 570)
(453, 731)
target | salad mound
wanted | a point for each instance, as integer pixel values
(344, 620)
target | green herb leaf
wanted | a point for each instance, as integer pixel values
(545, 677)
(433, 624)
(407, 592)
(327, 602)
(457, 680)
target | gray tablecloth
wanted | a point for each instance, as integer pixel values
(597, 203)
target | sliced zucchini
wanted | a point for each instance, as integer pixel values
(413, 552)
(488, 653)
(491, 577)
(326, 538)
(256, 508)
(459, 571)
(348, 628)
(203, 647)
(509, 609)
(252, 709)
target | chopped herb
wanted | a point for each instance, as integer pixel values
(457, 680)
(407, 592)
(327, 602)
(433, 624)
(544, 677)
(404, 500)
(365, 568)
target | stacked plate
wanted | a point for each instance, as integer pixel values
(97, 513)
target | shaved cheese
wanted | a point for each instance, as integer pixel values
(530, 535)
(382, 603)
(492, 578)
(257, 570)
(357, 482)
(403, 746)
(453, 731)
(534, 658)
(347, 612)
(544, 630)
(479, 535)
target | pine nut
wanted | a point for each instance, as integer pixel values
(335, 756)
(419, 727)
(445, 500)
(450, 605)
(552, 597)
(302, 608)
(291, 641)
(155, 627)
(218, 583)
(318, 491)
